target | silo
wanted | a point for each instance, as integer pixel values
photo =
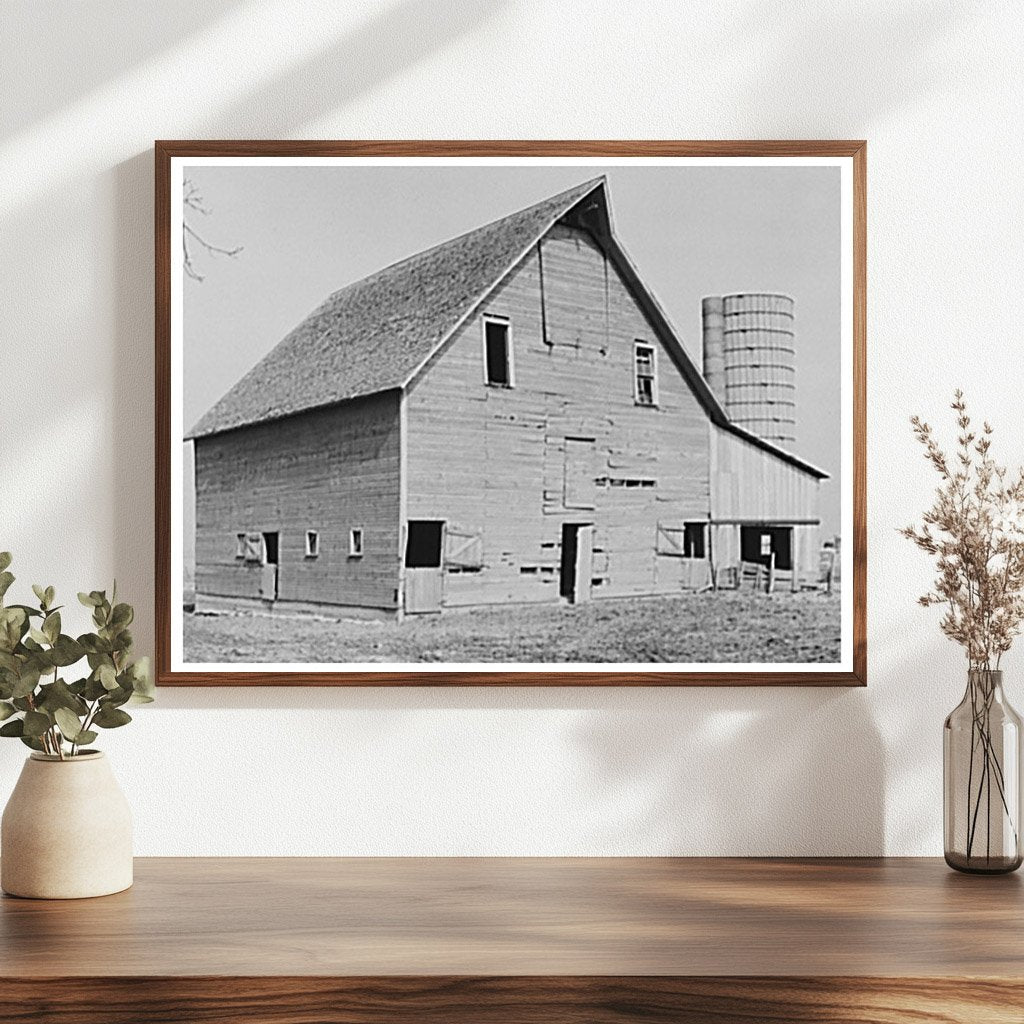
(760, 369)
(713, 311)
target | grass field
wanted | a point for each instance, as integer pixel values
(724, 627)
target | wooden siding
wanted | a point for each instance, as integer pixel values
(329, 470)
(500, 463)
(751, 485)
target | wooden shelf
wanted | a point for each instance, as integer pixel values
(573, 941)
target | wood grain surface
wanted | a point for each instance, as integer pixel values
(521, 939)
(511, 1000)
(166, 150)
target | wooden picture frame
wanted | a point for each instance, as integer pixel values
(850, 156)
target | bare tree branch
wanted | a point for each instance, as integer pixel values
(192, 200)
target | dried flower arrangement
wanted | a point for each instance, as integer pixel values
(975, 531)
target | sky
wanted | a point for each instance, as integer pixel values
(691, 231)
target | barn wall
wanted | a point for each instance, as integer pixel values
(567, 444)
(330, 470)
(752, 484)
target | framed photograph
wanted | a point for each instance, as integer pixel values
(491, 413)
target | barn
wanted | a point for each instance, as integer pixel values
(508, 417)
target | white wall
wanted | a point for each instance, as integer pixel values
(936, 88)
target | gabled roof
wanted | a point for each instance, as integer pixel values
(373, 335)
(378, 333)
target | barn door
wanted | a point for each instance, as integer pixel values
(584, 563)
(268, 571)
(423, 579)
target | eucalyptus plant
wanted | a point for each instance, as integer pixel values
(37, 704)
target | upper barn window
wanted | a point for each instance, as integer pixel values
(498, 368)
(645, 374)
(355, 543)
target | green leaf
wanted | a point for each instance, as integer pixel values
(89, 600)
(27, 681)
(50, 594)
(59, 695)
(6, 579)
(142, 681)
(66, 651)
(107, 676)
(109, 718)
(36, 723)
(51, 626)
(6, 710)
(38, 635)
(13, 626)
(86, 736)
(122, 616)
(69, 724)
(115, 698)
(5, 560)
(31, 741)
(32, 613)
(94, 689)
(40, 593)
(13, 728)
(94, 644)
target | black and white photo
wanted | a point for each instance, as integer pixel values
(513, 414)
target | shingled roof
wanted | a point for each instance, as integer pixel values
(376, 334)
(373, 335)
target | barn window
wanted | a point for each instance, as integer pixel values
(693, 540)
(355, 543)
(239, 545)
(312, 544)
(645, 376)
(498, 367)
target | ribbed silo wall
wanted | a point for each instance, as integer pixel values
(760, 368)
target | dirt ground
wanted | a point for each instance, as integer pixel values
(722, 627)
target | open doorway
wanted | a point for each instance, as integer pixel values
(269, 577)
(759, 543)
(576, 567)
(424, 543)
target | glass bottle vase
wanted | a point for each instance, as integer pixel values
(981, 772)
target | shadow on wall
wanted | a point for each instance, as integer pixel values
(816, 57)
(738, 771)
(407, 32)
(693, 771)
(46, 51)
(394, 39)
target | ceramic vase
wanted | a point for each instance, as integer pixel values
(66, 831)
